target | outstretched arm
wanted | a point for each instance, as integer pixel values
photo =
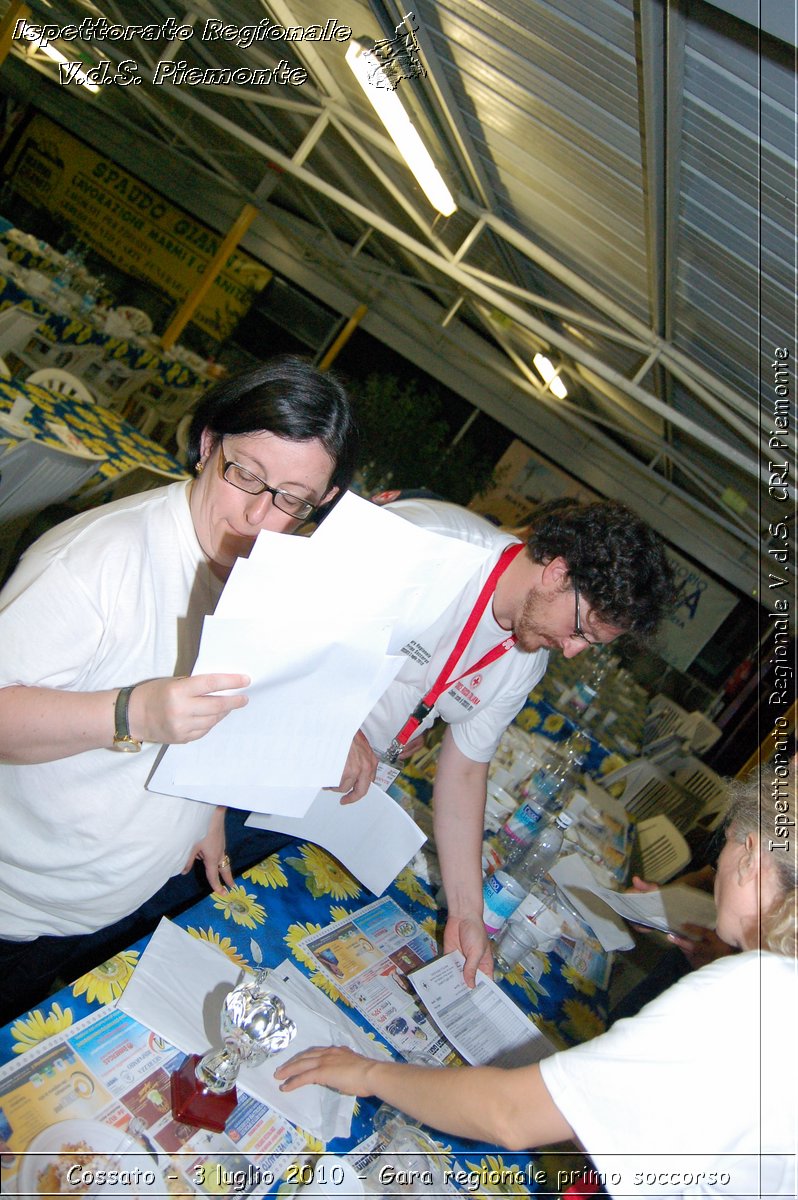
(459, 814)
(43, 724)
(508, 1108)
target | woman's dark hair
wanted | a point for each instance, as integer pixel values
(615, 559)
(288, 397)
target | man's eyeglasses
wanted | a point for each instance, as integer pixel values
(578, 631)
(246, 481)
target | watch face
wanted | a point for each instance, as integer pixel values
(127, 745)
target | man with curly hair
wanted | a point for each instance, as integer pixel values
(589, 572)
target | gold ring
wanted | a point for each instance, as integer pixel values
(224, 861)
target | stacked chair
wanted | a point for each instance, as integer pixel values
(663, 851)
(646, 791)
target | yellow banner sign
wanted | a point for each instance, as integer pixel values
(132, 226)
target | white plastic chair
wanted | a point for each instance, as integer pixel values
(40, 352)
(158, 416)
(647, 791)
(62, 382)
(16, 328)
(181, 436)
(667, 752)
(137, 319)
(701, 732)
(663, 850)
(115, 382)
(709, 789)
(665, 717)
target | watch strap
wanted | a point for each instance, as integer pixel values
(122, 736)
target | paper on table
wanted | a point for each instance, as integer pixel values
(374, 838)
(482, 1024)
(178, 989)
(578, 882)
(667, 909)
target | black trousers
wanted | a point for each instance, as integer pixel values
(29, 969)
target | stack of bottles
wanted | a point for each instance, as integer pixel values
(530, 840)
(585, 695)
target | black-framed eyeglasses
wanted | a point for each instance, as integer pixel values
(246, 481)
(578, 631)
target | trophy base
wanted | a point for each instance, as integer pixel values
(194, 1104)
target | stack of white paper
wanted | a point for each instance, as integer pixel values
(317, 623)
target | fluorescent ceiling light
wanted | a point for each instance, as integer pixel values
(389, 108)
(56, 55)
(550, 376)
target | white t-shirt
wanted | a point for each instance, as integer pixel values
(703, 1079)
(482, 704)
(111, 597)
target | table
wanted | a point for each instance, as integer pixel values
(281, 900)
(74, 329)
(102, 431)
(612, 739)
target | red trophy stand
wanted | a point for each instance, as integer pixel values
(253, 1025)
(195, 1104)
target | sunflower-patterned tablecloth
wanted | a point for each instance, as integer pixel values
(278, 902)
(101, 430)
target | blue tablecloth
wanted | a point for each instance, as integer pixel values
(100, 430)
(73, 330)
(279, 902)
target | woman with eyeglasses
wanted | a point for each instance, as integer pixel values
(100, 626)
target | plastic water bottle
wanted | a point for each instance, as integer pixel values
(585, 692)
(501, 895)
(519, 830)
(542, 853)
(549, 783)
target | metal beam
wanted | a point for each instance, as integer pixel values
(747, 464)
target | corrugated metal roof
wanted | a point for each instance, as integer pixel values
(629, 168)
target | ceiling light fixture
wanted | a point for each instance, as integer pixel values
(47, 48)
(550, 376)
(369, 73)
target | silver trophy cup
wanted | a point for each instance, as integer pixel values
(254, 1025)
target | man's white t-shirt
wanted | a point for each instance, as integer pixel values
(702, 1080)
(481, 705)
(112, 597)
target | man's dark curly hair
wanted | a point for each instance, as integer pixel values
(615, 559)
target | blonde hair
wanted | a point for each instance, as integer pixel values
(764, 805)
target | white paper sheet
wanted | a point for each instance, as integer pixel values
(667, 909)
(441, 566)
(374, 838)
(577, 880)
(178, 989)
(482, 1023)
(290, 733)
(317, 624)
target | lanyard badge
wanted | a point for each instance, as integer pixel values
(443, 682)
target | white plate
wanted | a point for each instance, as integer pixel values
(112, 1150)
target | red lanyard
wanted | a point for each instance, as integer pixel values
(443, 683)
